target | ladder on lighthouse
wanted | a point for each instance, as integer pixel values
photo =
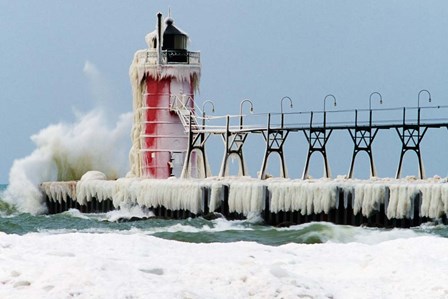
(184, 115)
(179, 104)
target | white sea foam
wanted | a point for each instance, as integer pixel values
(120, 265)
(128, 213)
(77, 214)
(329, 232)
(218, 225)
(67, 151)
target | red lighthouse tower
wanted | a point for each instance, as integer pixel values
(164, 78)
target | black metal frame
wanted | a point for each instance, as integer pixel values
(362, 137)
(411, 136)
(317, 142)
(275, 139)
(196, 142)
(233, 142)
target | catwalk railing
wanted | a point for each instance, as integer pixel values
(169, 56)
(363, 125)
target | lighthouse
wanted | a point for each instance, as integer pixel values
(164, 78)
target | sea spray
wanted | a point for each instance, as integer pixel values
(67, 151)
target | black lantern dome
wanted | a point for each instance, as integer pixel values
(173, 38)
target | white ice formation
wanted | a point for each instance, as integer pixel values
(248, 195)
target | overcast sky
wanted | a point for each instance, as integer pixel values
(261, 50)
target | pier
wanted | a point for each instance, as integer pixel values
(170, 175)
(398, 202)
(380, 203)
(279, 201)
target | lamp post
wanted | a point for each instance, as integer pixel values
(325, 101)
(418, 102)
(241, 110)
(419, 93)
(370, 105)
(203, 111)
(281, 107)
(370, 99)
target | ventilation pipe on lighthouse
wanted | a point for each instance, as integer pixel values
(159, 38)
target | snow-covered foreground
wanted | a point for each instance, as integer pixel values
(113, 265)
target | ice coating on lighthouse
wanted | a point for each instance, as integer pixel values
(164, 78)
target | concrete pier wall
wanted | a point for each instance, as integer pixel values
(378, 203)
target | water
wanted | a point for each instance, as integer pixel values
(100, 256)
(196, 230)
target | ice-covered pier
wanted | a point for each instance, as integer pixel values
(376, 202)
(170, 174)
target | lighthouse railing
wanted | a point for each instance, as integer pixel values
(180, 57)
(150, 57)
(147, 57)
(194, 57)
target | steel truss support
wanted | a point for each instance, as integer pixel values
(317, 140)
(362, 140)
(196, 142)
(411, 137)
(275, 139)
(233, 142)
(362, 137)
